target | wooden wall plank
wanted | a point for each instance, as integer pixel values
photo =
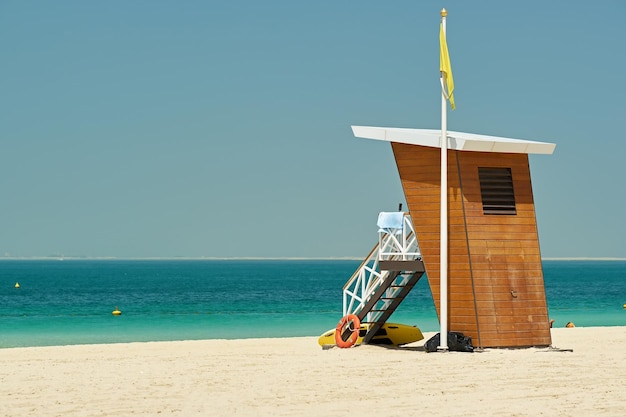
(489, 255)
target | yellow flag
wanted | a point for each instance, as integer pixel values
(444, 65)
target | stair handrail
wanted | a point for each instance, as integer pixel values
(364, 278)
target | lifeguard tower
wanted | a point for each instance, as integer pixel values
(495, 288)
(471, 227)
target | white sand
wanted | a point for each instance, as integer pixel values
(295, 377)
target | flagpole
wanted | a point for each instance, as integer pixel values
(443, 234)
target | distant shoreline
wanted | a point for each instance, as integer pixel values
(111, 258)
(244, 258)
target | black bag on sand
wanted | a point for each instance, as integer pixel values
(457, 342)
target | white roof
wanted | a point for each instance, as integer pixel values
(456, 140)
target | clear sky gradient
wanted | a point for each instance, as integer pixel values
(222, 129)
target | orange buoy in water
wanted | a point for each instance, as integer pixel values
(17, 285)
(116, 312)
(570, 324)
(347, 331)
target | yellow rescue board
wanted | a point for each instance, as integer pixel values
(393, 334)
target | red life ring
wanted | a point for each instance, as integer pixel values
(347, 331)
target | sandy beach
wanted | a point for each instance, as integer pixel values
(583, 374)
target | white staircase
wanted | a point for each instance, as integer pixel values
(387, 275)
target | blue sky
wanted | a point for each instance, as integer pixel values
(222, 129)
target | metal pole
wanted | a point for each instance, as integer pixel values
(443, 234)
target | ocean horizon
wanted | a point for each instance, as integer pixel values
(245, 258)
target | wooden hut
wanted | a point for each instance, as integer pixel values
(496, 291)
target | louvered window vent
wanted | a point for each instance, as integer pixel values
(496, 189)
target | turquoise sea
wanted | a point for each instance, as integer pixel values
(70, 301)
